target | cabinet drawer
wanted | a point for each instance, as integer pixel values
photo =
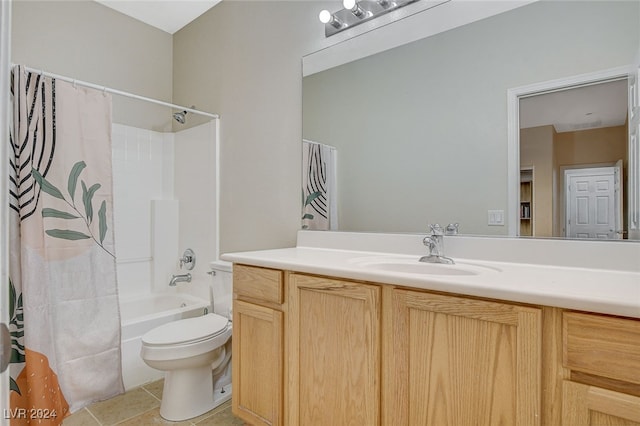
(603, 346)
(258, 283)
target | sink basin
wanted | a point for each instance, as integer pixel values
(411, 265)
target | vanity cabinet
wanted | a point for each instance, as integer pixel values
(585, 405)
(258, 345)
(461, 361)
(333, 337)
(603, 356)
(316, 350)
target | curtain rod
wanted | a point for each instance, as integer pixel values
(119, 92)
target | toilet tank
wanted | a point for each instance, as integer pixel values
(221, 287)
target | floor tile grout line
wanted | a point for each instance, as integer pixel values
(128, 418)
(133, 417)
(150, 393)
(213, 412)
(93, 417)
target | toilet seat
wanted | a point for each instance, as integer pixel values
(186, 331)
(185, 339)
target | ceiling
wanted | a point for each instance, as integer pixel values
(589, 107)
(167, 15)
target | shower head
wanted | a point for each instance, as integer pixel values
(180, 116)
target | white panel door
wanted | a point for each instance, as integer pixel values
(592, 207)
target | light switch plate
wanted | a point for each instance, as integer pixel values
(496, 217)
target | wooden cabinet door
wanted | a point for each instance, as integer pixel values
(333, 338)
(458, 361)
(257, 363)
(585, 405)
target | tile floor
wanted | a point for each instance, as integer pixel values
(141, 407)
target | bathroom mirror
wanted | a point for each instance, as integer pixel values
(420, 130)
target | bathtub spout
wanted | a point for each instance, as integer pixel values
(179, 279)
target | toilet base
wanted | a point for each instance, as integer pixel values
(187, 393)
(222, 395)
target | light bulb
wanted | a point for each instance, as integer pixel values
(325, 16)
(349, 4)
(354, 7)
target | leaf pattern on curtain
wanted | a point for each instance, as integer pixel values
(16, 325)
(33, 142)
(87, 201)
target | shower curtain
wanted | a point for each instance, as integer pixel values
(65, 321)
(319, 193)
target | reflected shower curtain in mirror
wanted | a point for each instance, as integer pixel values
(319, 192)
(65, 320)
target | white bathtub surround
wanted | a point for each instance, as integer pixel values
(594, 276)
(196, 191)
(161, 209)
(165, 200)
(142, 172)
(164, 242)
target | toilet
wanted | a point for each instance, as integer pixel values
(189, 351)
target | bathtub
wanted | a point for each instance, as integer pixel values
(142, 313)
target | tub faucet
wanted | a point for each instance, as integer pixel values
(435, 244)
(180, 278)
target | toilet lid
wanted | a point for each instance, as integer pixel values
(186, 330)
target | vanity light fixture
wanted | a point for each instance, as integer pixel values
(356, 12)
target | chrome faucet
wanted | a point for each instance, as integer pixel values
(180, 278)
(435, 244)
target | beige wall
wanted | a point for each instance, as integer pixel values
(606, 145)
(536, 151)
(242, 60)
(90, 42)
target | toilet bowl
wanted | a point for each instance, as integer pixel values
(187, 350)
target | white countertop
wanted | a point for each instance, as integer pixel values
(594, 290)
